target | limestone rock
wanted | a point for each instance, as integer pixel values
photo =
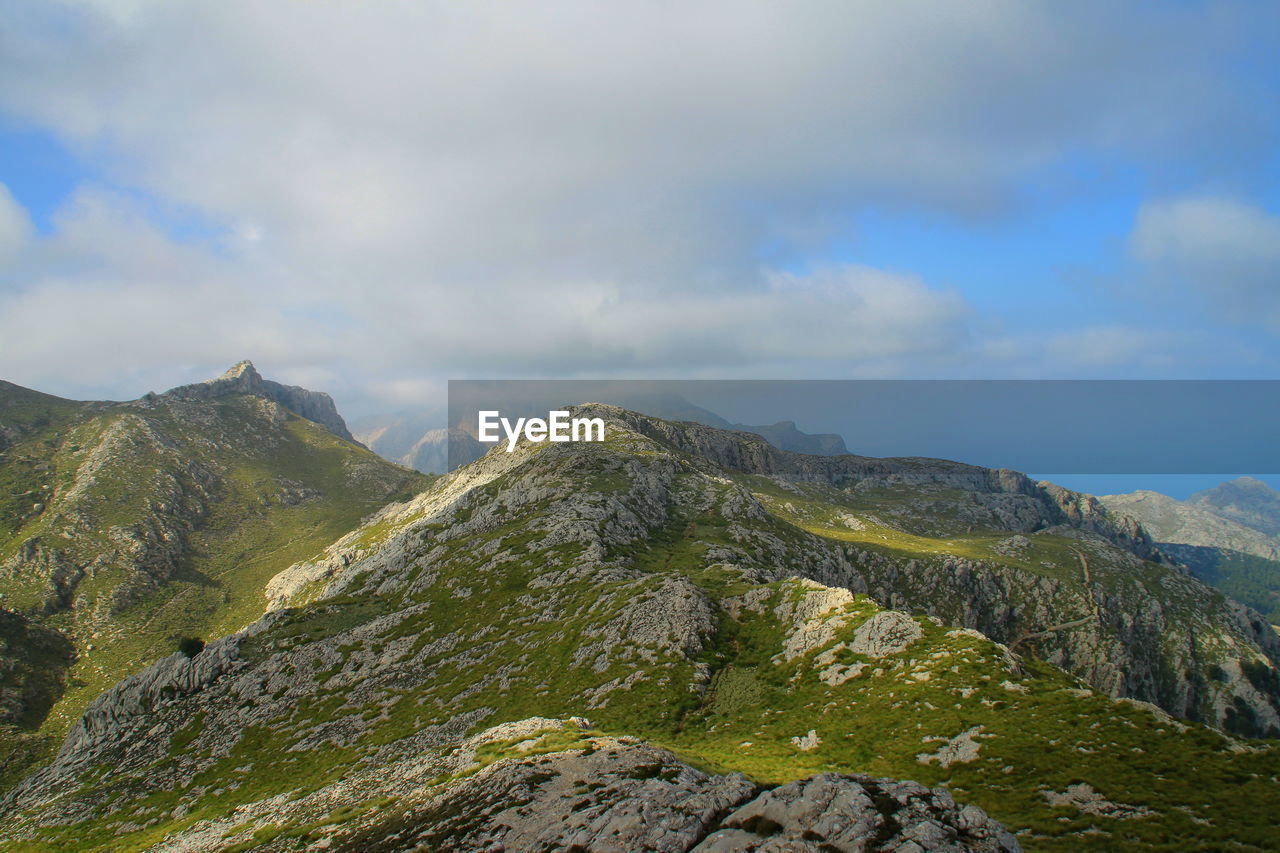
(814, 625)
(243, 378)
(1082, 796)
(885, 633)
(961, 749)
(620, 797)
(857, 813)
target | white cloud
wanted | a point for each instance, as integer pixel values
(1225, 252)
(483, 187)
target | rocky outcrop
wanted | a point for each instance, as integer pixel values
(630, 797)
(858, 813)
(812, 618)
(1083, 798)
(133, 699)
(243, 378)
(885, 634)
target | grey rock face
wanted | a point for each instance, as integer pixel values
(857, 813)
(624, 797)
(1148, 642)
(243, 378)
(619, 798)
(884, 634)
(164, 681)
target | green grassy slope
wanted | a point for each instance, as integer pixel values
(161, 520)
(646, 591)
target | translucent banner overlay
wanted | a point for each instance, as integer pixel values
(1189, 427)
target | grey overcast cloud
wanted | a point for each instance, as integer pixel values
(372, 202)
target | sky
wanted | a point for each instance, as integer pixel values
(370, 198)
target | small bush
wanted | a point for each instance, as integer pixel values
(191, 646)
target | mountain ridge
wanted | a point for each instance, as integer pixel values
(417, 442)
(712, 611)
(243, 378)
(127, 526)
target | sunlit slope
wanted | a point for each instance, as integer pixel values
(662, 594)
(146, 522)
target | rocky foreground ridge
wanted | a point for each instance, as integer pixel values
(714, 606)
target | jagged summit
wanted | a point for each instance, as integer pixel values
(244, 378)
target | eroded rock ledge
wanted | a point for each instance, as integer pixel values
(624, 796)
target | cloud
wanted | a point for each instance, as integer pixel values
(110, 303)
(108, 291)
(1225, 252)
(486, 189)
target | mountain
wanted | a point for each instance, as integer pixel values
(417, 441)
(128, 528)
(408, 440)
(243, 378)
(1169, 520)
(1242, 561)
(1244, 500)
(684, 638)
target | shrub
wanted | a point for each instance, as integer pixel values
(191, 646)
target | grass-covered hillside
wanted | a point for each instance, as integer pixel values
(750, 611)
(126, 528)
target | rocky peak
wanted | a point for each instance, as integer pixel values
(243, 378)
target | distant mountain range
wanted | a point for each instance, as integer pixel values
(1244, 500)
(419, 441)
(1227, 535)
